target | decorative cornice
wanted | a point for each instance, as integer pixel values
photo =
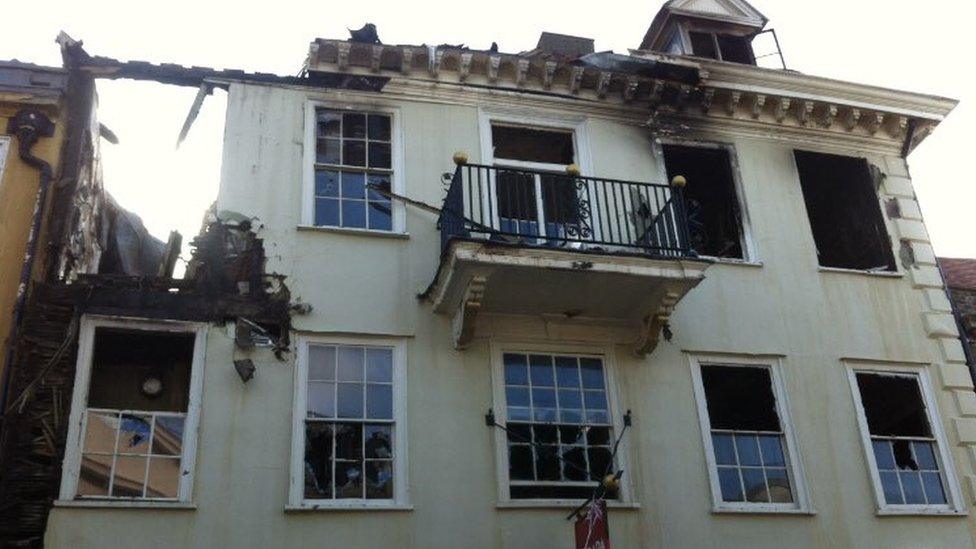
(775, 98)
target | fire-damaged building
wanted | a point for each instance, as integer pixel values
(455, 296)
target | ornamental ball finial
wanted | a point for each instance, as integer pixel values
(678, 181)
(573, 170)
(460, 157)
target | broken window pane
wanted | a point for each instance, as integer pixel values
(352, 458)
(844, 212)
(747, 439)
(379, 441)
(349, 479)
(902, 442)
(711, 200)
(532, 145)
(555, 434)
(379, 479)
(318, 460)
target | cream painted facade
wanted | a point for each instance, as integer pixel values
(778, 307)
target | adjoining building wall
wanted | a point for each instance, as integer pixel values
(777, 306)
(18, 193)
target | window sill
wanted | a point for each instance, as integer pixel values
(882, 274)
(115, 504)
(355, 232)
(921, 512)
(733, 261)
(559, 504)
(758, 510)
(356, 506)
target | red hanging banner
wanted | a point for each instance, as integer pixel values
(592, 528)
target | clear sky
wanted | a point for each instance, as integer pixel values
(919, 46)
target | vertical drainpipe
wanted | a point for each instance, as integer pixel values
(29, 125)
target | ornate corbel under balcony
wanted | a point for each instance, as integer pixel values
(655, 324)
(468, 309)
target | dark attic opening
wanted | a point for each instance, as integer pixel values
(842, 204)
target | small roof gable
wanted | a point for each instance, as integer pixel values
(733, 11)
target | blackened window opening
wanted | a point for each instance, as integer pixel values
(532, 145)
(723, 47)
(893, 406)
(124, 360)
(714, 218)
(740, 398)
(703, 44)
(844, 212)
(736, 49)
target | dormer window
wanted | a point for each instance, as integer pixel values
(719, 29)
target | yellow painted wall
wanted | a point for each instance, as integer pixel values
(18, 191)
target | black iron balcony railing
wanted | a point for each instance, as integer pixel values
(540, 208)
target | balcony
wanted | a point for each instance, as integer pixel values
(531, 242)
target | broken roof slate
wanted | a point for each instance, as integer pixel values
(959, 273)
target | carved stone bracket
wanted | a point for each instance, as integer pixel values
(654, 324)
(575, 78)
(603, 85)
(464, 67)
(550, 71)
(521, 72)
(406, 61)
(493, 63)
(733, 103)
(630, 88)
(707, 97)
(757, 105)
(467, 313)
(342, 52)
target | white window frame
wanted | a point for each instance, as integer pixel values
(534, 120)
(954, 502)
(71, 467)
(397, 182)
(499, 405)
(750, 253)
(401, 486)
(4, 147)
(801, 500)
